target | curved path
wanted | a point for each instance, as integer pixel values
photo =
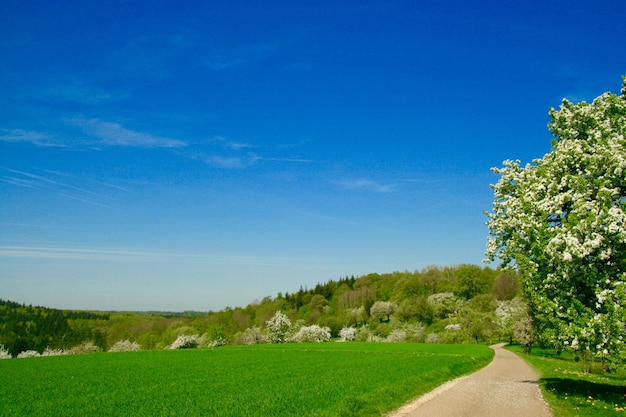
(506, 387)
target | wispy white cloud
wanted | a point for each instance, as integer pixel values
(134, 255)
(237, 155)
(100, 133)
(36, 138)
(61, 188)
(226, 162)
(114, 134)
(229, 144)
(366, 185)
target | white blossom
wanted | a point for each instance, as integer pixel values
(185, 341)
(28, 354)
(278, 327)
(313, 333)
(253, 336)
(561, 221)
(4, 353)
(125, 346)
(54, 352)
(347, 334)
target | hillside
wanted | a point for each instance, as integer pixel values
(446, 304)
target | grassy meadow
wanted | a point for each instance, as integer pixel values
(572, 392)
(329, 379)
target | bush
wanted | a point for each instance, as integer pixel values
(207, 341)
(347, 334)
(125, 346)
(382, 310)
(185, 341)
(85, 347)
(4, 353)
(433, 338)
(397, 335)
(442, 304)
(28, 354)
(54, 352)
(253, 336)
(414, 332)
(278, 327)
(312, 333)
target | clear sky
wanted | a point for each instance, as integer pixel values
(160, 155)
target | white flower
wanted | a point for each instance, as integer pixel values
(347, 334)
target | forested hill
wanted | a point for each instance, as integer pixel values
(420, 303)
(25, 327)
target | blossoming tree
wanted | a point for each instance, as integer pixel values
(562, 222)
(278, 327)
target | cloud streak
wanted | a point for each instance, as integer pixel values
(99, 132)
(114, 134)
(36, 138)
(231, 155)
(366, 185)
(134, 255)
(63, 189)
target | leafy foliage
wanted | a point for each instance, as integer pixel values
(562, 221)
(379, 307)
(25, 328)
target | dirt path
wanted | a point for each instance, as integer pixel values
(506, 387)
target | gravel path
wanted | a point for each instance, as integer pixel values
(506, 387)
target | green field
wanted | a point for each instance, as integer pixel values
(328, 379)
(572, 392)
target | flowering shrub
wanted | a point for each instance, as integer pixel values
(508, 313)
(357, 315)
(442, 303)
(364, 334)
(433, 338)
(347, 334)
(454, 327)
(185, 342)
(312, 333)
(125, 346)
(54, 352)
(28, 354)
(4, 353)
(213, 342)
(524, 332)
(253, 336)
(562, 221)
(278, 327)
(381, 310)
(85, 347)
(397, 335)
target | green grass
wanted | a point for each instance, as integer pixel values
(329, 379)
(571, 392)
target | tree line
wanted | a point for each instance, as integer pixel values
(448, 304)
(26, 327)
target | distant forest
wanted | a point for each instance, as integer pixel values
(454, 304)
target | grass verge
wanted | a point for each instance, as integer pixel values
(571, 392)
(329, 379)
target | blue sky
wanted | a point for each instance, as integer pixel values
(197, 155)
